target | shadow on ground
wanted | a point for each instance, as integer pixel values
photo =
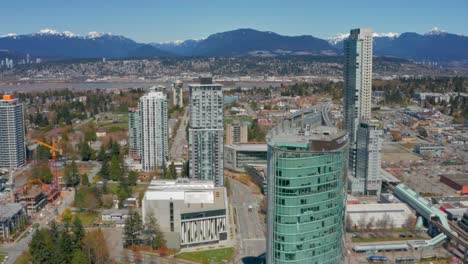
(255, 260)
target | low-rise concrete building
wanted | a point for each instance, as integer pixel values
(116, 216)
(189, 212)
(237, 156)
(13, 217)
(371, 215)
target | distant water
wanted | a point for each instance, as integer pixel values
(75, 86)
(109, 85)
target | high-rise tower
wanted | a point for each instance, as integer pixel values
(12, 133)
(206, 131)
(153, 137)
(357, 85)
(306, 195)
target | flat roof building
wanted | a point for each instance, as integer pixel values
(236, 157)
(13, 218)
(369, 216)
(190, 213)
(459, 182)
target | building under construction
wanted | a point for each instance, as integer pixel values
(35, 198)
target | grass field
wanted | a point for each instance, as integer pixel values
(87, 218)
(209, 256)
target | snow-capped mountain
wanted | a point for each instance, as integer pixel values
(54, 44)
(435, 45)
(180, 47)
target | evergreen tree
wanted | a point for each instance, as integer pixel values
(132, 178)
(115, 169)
(72, 177)
(41, 248)
(85, 151)
(79, 257)
(105, 169)
(153, 233)
(133, 228)
(171, 172)
(101, 154)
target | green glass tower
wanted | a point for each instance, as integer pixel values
(306, 193)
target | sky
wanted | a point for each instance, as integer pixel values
(155, 20)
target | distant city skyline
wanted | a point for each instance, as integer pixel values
(158, 21)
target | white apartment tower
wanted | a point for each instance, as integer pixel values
(357, 85)
(12, 133)
(153, 137)
(206, 131)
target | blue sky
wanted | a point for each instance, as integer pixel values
(154, 20)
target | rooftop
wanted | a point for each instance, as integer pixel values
(248, 147)
(461, 179)
(317, 138)
(8, 210)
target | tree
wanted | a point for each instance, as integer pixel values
(171, 172)
(72, 177)
(85, 179)
(133, 228)
(115, 169)
(67, 216)
(79, 257)
(105, 169)
(85, 151)
(78, 232)
(41, 248)
(185, 169)
(153, 233)
(132, 178)
(101, 156)
(95, 243)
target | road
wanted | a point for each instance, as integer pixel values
(250, 229)
(249, 110)
(14, 250)
(180, 140)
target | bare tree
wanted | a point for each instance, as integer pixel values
(362, 222)
(348, 223)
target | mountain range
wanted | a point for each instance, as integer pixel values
(435, 45)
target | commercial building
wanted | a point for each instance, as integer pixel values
(12, 134)
(190, 213)
(429, 149)
(206, 131)
(367, 179)
(154, 130)
(134, 131)
(306, 194)
(458, 182)
(357, 86)
(236, 133)
(372, 216)
(236, 157)
(13, 217)
(177, 94)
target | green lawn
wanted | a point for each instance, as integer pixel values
(209, 256)
(87, 218)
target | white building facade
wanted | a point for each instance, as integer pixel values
(190, 213)
(152, 111)
(12, 133)
(206, 132)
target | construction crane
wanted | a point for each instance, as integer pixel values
(54, 150)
